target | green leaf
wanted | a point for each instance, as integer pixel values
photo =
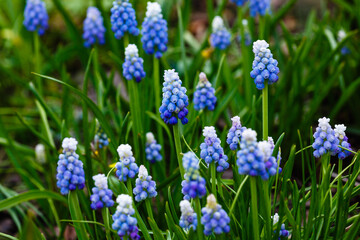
(156, 231)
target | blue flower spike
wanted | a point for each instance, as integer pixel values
(94, 30)
(133, 67)
(343, 141)
(325, 139)
(152, 149)
(259, 7)
(283, 232)
(214, 218)
(278, 157)
(211, 150)
(35, 16)
(175, 100)
(126, 167)
(247, 35)
(154, 31)
(270, 162)
(102, 195)
(193, 184)
(124, 222)
(340, 36)
(100, 139)
(188, 217)
(204, 95)
(265, 70)
(123, 19)
(70, 171)
(234, 134)
(145, 187)
(220, 37)
(239, 2)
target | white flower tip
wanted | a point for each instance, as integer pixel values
(209, 132)
(93, 13)
(340, 131)
(124, 150)
(211, 201)
(260, 46)
(171, 75)
(244, 22)
(275, 218)
(69, 144)
(341, 34)
(143, 173)
(124, 200)
(39, 148)
(100, 181)
(131, 51)
(235, 120)
(217, 23)
(324, 123)
(249, 135)
(150, 137)
(265, 148)
(153, 9)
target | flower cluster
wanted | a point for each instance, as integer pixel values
(102, 196)
(214, 218)
(325, 139)
(124, 223)
(204, 95)
(152, 149)
(234, 134)
(154, 31)
(123, 19)
(220, 38)
(283, 232)
(70, 172)
(175, 100)
(188, 217)
(264, 65)
(133, 66)
(100, 137)
(193, 184)
(94, 29)
(126, 167)
(259, 7)
(211, 150)
(35, 16)
(145, 187)
(343, 141)
(239, 2)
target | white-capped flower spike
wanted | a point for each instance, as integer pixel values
(126, 167)
(188, 217)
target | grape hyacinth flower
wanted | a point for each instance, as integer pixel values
(94, 30)
(211, 150)
(220, 38)
(341, 35)
(204, 95)
(234, 134)
(278, 157)
(124, 222)
(264, 65)
(133, 66)
(154, 31)
(102, 195)
(70, 171)
(214, 218)
(239, 2)
(283, 232)
(193, 184)
(40, 154)
(259, 7)
(152, 149)
(126, 167)
(270, 161)
(100, 137)
(145, 187)
(175, 100)
(188, 217)
(123, 19)
(343, 141)
(247, 35)
(35, 16)
(325, 139)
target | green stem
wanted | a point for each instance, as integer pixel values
(198, 213)
(213, 178)
(340, 178)
(37, 62)
(149, 209)
(267, 209)
(76, 214)
(105, 215)
(265, 111)
(237, 195)
(129, 187)
(96, 229)
(254, 210)
(178, 148)
(210, 9)
(219, 184)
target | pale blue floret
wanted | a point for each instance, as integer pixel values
(145, 187)
(214, 218)
(234, 134)
(265, 70)
(126, 167)
(343, 141)
(102, 195)
(35, 16)
(204, 95)
(133, 66)
(70, 171)
(220, 37)
(94, 30)
(188, 217)
(123, 19)
(152, 149)
(325, 139)
(259, 7)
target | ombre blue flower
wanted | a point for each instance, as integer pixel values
(239, 2)
(259, 7)
(247, 35)
(175, 100)
(102, 195)
(144, 186)
(70, 172)
(343, 141)
(152, 149)
(133, 66)
(283, 232)
(220, 38)
(94, 30)
(234, 134)
(35, 16)
(211, 150)
(278, 157)
(264, 65)
(270, 161)
(101, 140)
(154, 31)
(126, 167)
(188, 217)
(341, 35)
(124, 222)
(214, 218)
(193, 184)
(123, 19)
(204, 95)
(325, 139)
